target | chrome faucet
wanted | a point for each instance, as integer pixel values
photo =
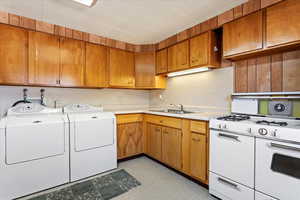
(179, 105)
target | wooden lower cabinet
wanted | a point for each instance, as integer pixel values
(198, 156)
(154, 141)
(171, 147)
(130, 139)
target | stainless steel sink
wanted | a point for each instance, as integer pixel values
(173, 111)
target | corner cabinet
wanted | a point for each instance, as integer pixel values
(243, 35)
(72, 58)
(44, 59)
(13, 55)
(162, 61)
(121, 68)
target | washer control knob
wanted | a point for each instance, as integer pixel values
(274, 133)
(263, 131)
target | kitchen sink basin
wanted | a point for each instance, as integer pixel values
(173, 111)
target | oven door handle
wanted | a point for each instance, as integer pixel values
(229, 136)
(233, 185)
(281, 146)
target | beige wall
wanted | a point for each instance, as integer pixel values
(202, 91)
(109, 98)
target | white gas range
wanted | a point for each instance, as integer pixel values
(254, 158)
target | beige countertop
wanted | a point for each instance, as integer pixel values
(205, 116)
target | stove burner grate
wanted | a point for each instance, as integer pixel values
(234, 118)
(272, 123)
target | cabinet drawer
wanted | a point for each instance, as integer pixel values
(164, 121)
(227, 189)
(129, 118)
(199, 127)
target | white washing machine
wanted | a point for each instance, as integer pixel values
(93, 147)
(34, 150)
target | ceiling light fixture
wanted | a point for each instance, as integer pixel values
(189, 71)
(88, 3)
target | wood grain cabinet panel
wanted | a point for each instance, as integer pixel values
(199, 47)
(291, 71)
(243, 35)
(171, 147)
(121, 68)
(283, 24)
(130, 139)
(162, 61)
(145, 70)
(199, 156)
(44, 60)
(241, 76)
(72, 57)
(13, 55)
(178, 56)
(96, 65)
(154, 141)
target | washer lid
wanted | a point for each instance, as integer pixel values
(34, 120)
(31, 109)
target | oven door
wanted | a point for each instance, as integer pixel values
(232, 156)
(278, 169)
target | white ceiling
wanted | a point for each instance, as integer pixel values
(133, 21)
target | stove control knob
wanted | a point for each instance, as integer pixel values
(274, 133)
(224, 126)
(263, 131)
(249, 130)
(220, 126)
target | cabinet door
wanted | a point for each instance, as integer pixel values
(13, 55)
(178, 56)
(283, 24)
(145, 70)
(199, 156)
(130, 139)
(72, 57)
(162, 61)
(44, 64)
(121, 68)
(199, 50)
(171, 147)
(96, 65)
(243, 35)
(154, 141)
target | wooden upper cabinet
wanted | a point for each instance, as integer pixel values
(72, 57)
(204, 50)
(95, 65)
(162, 61)
(145, 70)
(13, 55)
(121, 68)
(283, 23)
(178, 56)
(44, 63)
(171, 147)
(243, 35)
